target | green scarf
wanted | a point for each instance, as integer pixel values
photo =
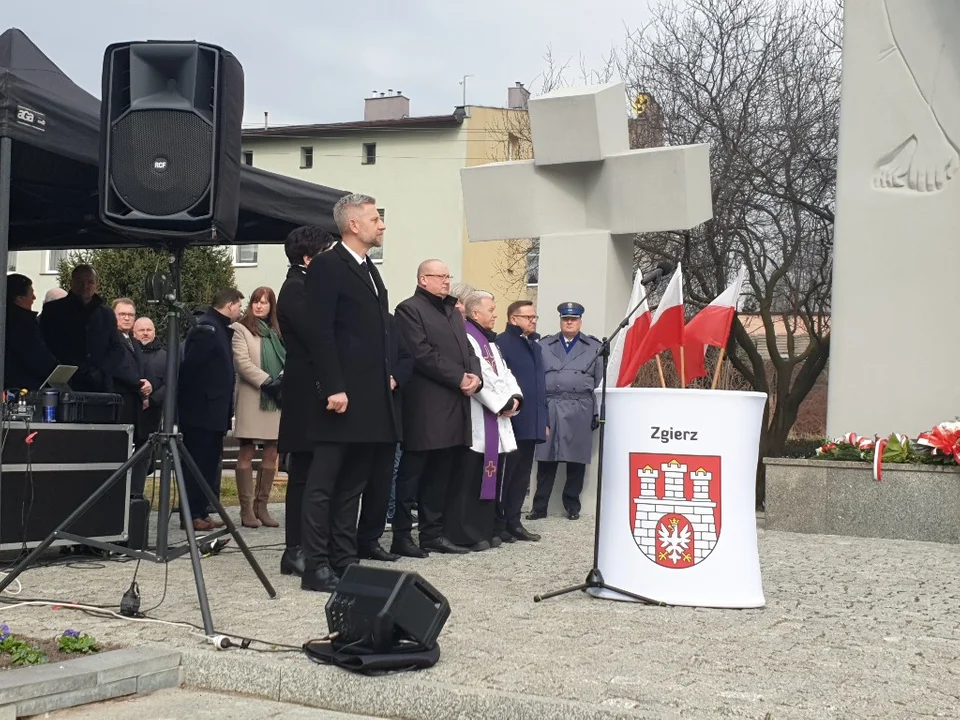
(272, 358)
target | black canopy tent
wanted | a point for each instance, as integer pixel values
(49, 158)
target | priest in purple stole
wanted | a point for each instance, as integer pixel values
(469, 520)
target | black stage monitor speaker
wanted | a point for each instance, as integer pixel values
(378, 610)
(170, 140)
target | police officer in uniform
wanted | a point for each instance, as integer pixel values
(573, 372)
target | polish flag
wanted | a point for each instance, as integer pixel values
(628, 342)
(711, 326)
(666, 328)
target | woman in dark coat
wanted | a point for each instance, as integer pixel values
(300, 398)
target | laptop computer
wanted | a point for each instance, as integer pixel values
(59, 378)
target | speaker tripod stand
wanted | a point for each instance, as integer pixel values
(174, 457)
(594, 578)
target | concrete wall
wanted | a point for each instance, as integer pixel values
(898, 209)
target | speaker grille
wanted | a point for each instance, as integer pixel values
(160, 161)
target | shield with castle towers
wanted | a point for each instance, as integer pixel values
(675, 507)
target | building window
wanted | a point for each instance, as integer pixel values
(306, 158)
(533, 266)
(376, 254)
(513, 147)
(369, 154)
(248, 157)
(245, 255)
(51, 265)
(12, 261)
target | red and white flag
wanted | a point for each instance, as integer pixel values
(666, 328)
(711, 326)
(628, 342)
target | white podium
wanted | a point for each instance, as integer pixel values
(677, 519)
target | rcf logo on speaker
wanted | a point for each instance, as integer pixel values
(160, 165)
(31, 118)
(675, 507)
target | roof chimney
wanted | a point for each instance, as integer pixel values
(517, 97)
(386, 106)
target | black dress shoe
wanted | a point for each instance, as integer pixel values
(319, 579)
(495, 541)
(442, 545)
(377, 553)
(571, 515)
(292, 562)
(536, 515)
(507, 537)
(405, 547)
(521, 533)
(480, 546)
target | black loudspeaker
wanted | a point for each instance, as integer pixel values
(170, 126)
(379, 610)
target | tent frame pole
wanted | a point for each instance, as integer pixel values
(6, 171)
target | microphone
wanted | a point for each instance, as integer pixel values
(664, 267)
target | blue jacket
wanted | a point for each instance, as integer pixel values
(525, 359)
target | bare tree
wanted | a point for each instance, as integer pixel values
(760, 82)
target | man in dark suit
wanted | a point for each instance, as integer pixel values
(376, 498)
(356, 430)
(299, 383)
(130, 381)
(27, 360)
(205, 398)
(436, 410)
(81, 331)
(524, 357)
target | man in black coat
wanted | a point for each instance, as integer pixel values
(131, 383)
(154, 356)
(356, 430)
(300, 399)
(524, 357)
(376, 498)
(27, 360)
(436, 410)
(80, 330)
(205, 398)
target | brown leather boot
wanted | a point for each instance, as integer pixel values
(248, 518)
(264, 485)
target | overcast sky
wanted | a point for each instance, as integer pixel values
(314, 61)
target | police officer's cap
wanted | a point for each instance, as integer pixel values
(570, 309)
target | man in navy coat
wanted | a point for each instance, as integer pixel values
(205, 398)
(525, 359)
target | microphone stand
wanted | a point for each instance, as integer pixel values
(595, 577)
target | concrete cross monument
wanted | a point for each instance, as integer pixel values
(894, 342)
(585, 195)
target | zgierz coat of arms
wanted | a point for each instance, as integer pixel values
(675, 507)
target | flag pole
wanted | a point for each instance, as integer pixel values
(683, 368)
(663, 380)
(716, 373)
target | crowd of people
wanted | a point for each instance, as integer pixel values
(424, 420)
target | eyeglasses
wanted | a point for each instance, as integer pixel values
(442, 277)
(122, 314)
(527, 317)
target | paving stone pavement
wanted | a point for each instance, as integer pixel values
(853, 628)
(196, 705)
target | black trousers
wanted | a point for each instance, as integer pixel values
(513, 484)
(468, 520)
(298, 468)
(547, 473)
(206, 449)
(438, 469)
(376, 500)
(338, 474)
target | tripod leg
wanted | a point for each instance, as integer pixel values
(564, 591)
(192, 542)
(119, 474)
(231, 526)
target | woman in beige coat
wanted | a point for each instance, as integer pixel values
(258, 356)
